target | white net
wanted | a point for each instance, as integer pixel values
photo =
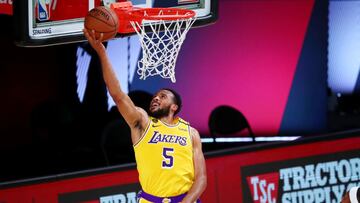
(161, 45)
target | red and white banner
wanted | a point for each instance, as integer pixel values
(308, 171)
(6, 7)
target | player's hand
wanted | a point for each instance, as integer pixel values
(95, 43)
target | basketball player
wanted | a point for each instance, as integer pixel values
(168, 152)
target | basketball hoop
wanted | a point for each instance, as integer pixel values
(160, 43)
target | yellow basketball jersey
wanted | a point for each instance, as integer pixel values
(164, 157)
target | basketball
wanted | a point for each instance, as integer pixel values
(102, 20)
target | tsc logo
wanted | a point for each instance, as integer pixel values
(264, 187)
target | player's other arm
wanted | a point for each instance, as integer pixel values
(135, 117)
(200, 182)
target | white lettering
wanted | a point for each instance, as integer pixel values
(254, 181)
(120, 198)
(263, 191)
(319, 195)
(129, 197)
(107, 199)
(300, 196)
(327, 193)
(321, 180)
(344, 171)
(331, 167)
(271, 187)
(318, 182)
(350, 185)
(312, 196)
(298, 173)
(293, 197)
(338, 191)
(308, 196)
(286, 198)
(286, 174)
(310, 176)
(355, 168)
(328, 173)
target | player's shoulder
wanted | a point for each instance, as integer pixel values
(194, 131)
(184, 121)
(142, 111)
(195, 136)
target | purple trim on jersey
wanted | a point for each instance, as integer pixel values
(156, 199)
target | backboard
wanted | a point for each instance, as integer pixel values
(52, 22)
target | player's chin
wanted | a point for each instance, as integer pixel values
(153, 109)
(155, 112)
(152, 112)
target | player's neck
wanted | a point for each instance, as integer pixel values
(170, 119)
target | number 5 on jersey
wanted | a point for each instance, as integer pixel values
(168, 160)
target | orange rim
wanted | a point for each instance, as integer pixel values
(167, 14)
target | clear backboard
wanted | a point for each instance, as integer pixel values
(51, 22)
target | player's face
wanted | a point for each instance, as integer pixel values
(161, 103)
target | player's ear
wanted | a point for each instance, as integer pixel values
(174, 107)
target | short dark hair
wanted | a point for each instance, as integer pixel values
(177, 99)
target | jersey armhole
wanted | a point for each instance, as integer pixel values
(191, 137)
(143, 135)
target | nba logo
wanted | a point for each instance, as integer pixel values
(43, 10)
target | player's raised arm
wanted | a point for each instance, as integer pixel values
(135, 117)
(200, 181)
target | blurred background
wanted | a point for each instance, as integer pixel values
(278, 69)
